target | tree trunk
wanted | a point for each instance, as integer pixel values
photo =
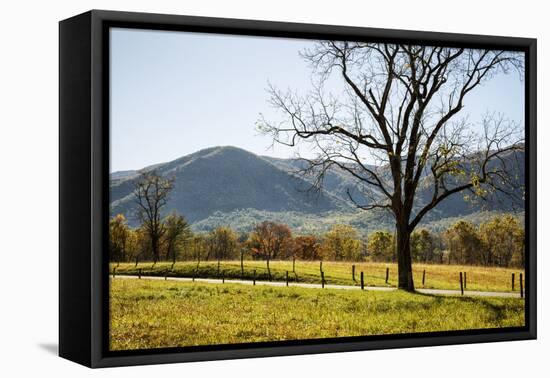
(155, 248)
(123, 253)
(242, 264)
(404, 264)
(198, 261)
(268, 270)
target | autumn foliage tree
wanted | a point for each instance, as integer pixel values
(177, 233)
(269, 240)
(306, 248)
(381, 246)
(465, 245)
(503, 239)
(423, 246)
(396, 124)
(119, 233)
(197, 247)
(141, 244)
(223, 243)
(341, 242)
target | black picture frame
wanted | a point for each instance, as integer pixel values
(84, 192)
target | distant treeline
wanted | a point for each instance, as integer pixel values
(498, 242)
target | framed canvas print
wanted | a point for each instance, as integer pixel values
(234, 188)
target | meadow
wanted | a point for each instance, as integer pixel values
(155, 314)
(479, 278)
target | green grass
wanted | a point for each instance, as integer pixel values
(437, 276)
(155, 314)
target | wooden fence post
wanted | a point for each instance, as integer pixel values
(223, 276)
(362, 281)
(513, 281)
(114, 271)
(242, 266)
(353, 273)
(322, 279)
(287, 278)
(254, 278)
(387, 275)
(521, 285)
(139, 273)
(424, 277)
(461, 284)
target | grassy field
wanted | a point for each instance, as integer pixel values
(153, 314)
(437, 276)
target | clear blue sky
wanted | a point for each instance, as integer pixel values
(174, 93)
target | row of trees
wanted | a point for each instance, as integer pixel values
(498, 242)
(268, 241)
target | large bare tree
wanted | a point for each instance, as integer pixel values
(151, 194)
(396, 126)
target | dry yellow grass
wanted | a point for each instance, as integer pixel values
(154, 314)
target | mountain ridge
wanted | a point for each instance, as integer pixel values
(226, 182)
(225, 179)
